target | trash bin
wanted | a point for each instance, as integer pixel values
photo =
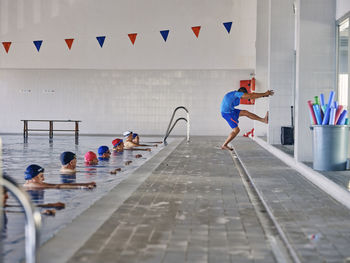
(330, 147)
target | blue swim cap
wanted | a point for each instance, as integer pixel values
(134, 135)
(32, 171)
(66, 157)
(102, 149)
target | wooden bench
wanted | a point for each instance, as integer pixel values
(51, 129)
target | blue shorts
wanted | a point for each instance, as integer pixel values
(232, 118)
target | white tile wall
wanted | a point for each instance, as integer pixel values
(315, 65)
(111, 101)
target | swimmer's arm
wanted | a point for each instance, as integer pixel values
(58, 205)
(139, 149)
(256, 95)
(76, 185)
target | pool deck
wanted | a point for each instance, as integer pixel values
(196, 203)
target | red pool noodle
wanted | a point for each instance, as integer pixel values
(337, 114)
(312, 112)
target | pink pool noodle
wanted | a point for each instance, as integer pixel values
(312, 112)
(337, 115)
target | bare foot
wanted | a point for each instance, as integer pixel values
(266, 119)
(225, 147)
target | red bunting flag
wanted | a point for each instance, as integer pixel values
(7, 46)
(69, 42)
(132, 37)
(196, 30)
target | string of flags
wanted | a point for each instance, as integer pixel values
(132, 36)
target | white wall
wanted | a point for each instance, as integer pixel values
(112, 101)
(281, 67)
(343, 7)
(262, 62)
(315, 65)
(23, 21)
(121, 86)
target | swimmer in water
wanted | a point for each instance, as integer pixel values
(104, 153)
(69, 163)
(91, 158)
(136, 139)
(118, 145)
(34, 177)
(130, 145)
(231, 114)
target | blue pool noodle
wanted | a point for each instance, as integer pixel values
(322, 99)
(326, 116)
(341, 120)
(327, 112)
(332, 116)
(331, 98)
(335, 105)
(317, 113)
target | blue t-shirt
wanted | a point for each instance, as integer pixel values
(231, 100)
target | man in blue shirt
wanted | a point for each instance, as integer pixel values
(231, 114)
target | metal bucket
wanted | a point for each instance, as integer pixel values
(330, 147)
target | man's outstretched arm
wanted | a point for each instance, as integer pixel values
(257, 95)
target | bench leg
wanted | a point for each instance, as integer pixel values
(51, 130)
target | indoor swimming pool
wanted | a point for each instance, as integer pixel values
(17, 155)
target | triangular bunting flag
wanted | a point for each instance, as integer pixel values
(7, 46)
(37, 44)
(196, 30)
(101, 40)
(228, 26)
(69, 42)
(164, 34)
(132, 37)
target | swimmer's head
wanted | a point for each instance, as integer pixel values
(103, 151)
(118, 145)
(33, 171)
(127, 135)
(243, 89)
(91, 158)
(68, 158)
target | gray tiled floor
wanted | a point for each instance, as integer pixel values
(193, 208)
(317, 227)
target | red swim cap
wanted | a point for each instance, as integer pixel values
(89, 156)
(116, 142)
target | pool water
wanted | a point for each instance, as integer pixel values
(17, 155)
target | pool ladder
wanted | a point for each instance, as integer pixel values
(33, 218)
(171, 127)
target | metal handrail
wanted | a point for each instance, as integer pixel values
(33, 218)
(170, 128)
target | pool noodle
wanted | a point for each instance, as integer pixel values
(335, 104)
(326, 117)
(324, 107)
(341, 120)
(314, 121)
(322, 99)
(330, 102)
(316, 100)
(346, 121)
(337, 115)
(331, 98)
(332, 116)
(316, 108)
